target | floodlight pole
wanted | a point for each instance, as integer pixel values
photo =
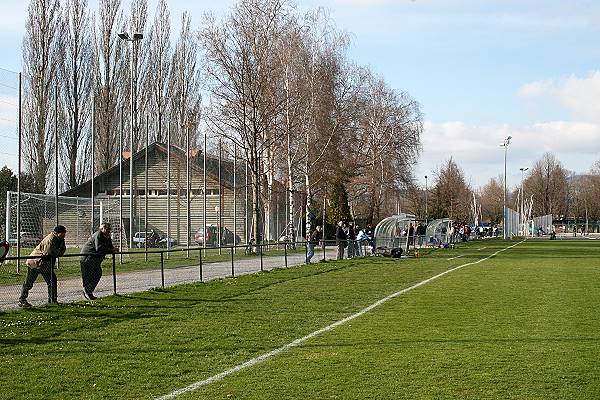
(133, 94)
(505, 145)
(56, 152)
(93, 167)
(19, 162)
(523, 201)
(426, 190)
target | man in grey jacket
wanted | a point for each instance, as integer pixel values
(92, 254)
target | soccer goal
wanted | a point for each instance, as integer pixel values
(39, 217)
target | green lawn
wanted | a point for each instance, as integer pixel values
(522, 325)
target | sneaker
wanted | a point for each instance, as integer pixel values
(23, 303)
(89, 296)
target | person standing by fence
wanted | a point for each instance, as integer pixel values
(92, 255)
(351, 240)
(51, 247)
(341, 240)
(313, 241)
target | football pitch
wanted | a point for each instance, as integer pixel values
(486, 320)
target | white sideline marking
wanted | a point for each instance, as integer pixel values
(297, 342)
(483, 248)
(453, 258)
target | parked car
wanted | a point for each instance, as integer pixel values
(140, 238)
(28, 239)
(212, 240)
(162, 242)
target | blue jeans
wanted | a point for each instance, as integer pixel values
(311, 252)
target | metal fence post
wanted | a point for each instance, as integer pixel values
(232, 268)
(200, 260)
(324, 257)
(162, 269)
(114, 268)
(285, 253)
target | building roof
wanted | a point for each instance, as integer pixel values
(177, 155)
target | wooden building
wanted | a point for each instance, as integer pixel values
(223, 208)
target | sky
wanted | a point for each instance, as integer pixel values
(481, 70)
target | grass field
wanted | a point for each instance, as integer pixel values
(524, 324)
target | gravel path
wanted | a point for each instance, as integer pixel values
(70, 289)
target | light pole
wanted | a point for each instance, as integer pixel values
(523, 201)
(426, 190)
(136, 38)
(505, 144)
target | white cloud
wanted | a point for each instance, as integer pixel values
(476, 148)
(581, 96)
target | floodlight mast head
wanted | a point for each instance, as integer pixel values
(125, 36)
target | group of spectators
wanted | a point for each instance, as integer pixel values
(462, 232)
(414, 235)
(349, 239)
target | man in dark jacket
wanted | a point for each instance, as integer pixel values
(314, 240)
(92, 254)
(51, 247)
(341, 240)
(351, 241)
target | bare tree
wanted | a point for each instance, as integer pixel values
(76, 79)
(240, 54)
(42, 55)
(388, 130)
(547, 182)
(159, 67)
(293, 111)
(110, 75)
(492, 197)
(451, 195)
(184, 89)
(592, 194)
(326, 110)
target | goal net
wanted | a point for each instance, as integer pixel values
(39, 217)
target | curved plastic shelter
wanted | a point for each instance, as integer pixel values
(438, 231)
(392, 232)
